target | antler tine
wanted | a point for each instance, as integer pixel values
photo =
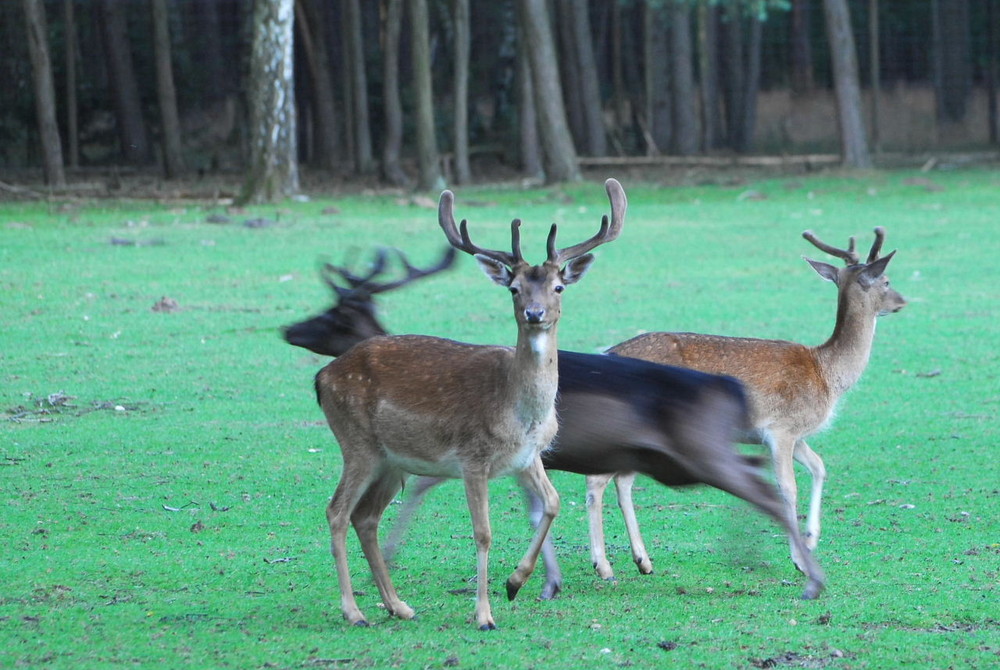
(414, 273)
(358, 281)
(460, 238)
(848, 255)
(877, 244)
(608, 232)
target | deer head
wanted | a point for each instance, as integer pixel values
(865, 280)
(353, 317)
(536, 289)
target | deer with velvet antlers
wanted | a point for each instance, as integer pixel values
(413, 404)
(793, 388)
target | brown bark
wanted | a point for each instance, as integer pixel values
(173, 161)
(45, 96)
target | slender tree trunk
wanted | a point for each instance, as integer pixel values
(732, 74)
(570, 71)
(45, 94)
(312, 31)
(173, 160)
(273, 172)
(392, 169)
(992, 71)
(659, 113)
(463, 172)
(590, 85)
(748, 121)
(557, 144)
(531, 154)
(427, 150)
(854, 143)
(954, 58)
(711, 122)
(361, 128)
(801, 47)
(72, 132)
(132, 132)
(685, 132)
(875, 74)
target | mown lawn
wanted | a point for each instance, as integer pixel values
(165, 473)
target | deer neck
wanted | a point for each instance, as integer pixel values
(845, 355)
(535, 374)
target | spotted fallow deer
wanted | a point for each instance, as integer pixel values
(793, 389)
(413, 404)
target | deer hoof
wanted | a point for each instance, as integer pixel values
(550, 590)
(488, 626)
(813, 590)
(362, 624)
(512, 590)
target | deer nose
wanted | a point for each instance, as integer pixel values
(534, 313)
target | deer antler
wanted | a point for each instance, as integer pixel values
(462, 241)
(413, 273)
(607, 233)
(848, 255)
(877, 244)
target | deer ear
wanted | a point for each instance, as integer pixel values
(495, 270)
(874, 270)
(576, 268)
(825, 270)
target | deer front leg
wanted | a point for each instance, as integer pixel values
(623, 484)
(366, 519)
(477, 495)
(782, 450)
(595, 514)
(811, 460)
(535, 480)
(553, 573)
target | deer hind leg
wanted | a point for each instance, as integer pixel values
(623, 485)
(553, 573)
(353, 483)
(405, 515)
(535, 480)
(596, 484)
(811, 460)
(365, 518)
(477, 495)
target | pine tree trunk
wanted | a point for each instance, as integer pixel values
(72, 111)
(326, 149)
(560, 158)
(427, 151)
(659, 114)
(173, 160)
(392, 169)
(45, 96)
(590, 85)
(132, 132)
(463, 172)
(531, 155)
(708, 66)
(682, 88)
(273, 171)
(854, 143)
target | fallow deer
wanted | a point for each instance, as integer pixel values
(413, 404)
(793, 388)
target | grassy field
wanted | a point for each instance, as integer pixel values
(165, 473)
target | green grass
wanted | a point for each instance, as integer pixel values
(167, 510)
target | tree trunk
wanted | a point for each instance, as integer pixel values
(132, 132)
(685, 133)
(531, 155)
(427, 150)
(733, 74)
(72, 132)
(953, 59)
(358, 82)
(313, 34)
(570, 71)
(560, 158)
(801, 47)
(173, 160)
(659, 114)
(854, 144)
(463, 172)
(708, 66)
(590, 85)
(751, 84)
(45, 94)
(273, 171)
(392, 169)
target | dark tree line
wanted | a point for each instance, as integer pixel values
(415, 90)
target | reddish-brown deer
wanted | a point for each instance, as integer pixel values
(411, 404)
(793, 389)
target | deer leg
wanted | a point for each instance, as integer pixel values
(477, 495)
(595, 514)
(535, 480)
(813, 463)
(782, 449)
(553, 573)
(366, 519)
(623, 484)
(353, 483)
(405, 516)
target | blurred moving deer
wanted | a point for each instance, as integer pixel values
(793, 389)
(413, 404)
(615, 414)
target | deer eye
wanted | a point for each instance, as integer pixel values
(514, 290)
(559, 288)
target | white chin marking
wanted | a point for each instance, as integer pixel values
(539, 343)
